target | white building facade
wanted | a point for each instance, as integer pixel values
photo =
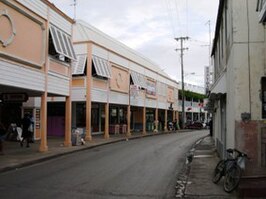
(194, 107)
(237, 94)
(117, 90)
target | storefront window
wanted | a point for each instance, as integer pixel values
(118, 115)
(113, 118)
(81, 115)
(95, 119)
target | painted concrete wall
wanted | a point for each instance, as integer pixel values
(244, 66)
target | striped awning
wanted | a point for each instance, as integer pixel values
(78, 66)
(62, 43)
(102, 67)
(138, 79)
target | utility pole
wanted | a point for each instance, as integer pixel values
(182, 39)
(209, 69)
(75, 8)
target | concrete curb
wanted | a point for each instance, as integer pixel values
(182, 179)
(183, 176)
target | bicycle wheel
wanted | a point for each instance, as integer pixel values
(232, 178)
(218, 171)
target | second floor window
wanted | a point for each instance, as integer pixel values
(60, 45)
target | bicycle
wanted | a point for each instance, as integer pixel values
(231, 168)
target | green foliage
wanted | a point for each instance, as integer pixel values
(190, 95)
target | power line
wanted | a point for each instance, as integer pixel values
(198, 41)
(187, 16)
(169, 13)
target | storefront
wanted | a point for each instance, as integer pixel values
(150, 120)
(118, 87)
(29, 77)
(118, 119)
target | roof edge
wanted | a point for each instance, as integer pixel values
(60, 12)
(218, 25)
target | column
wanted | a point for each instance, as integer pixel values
(88, 93)
(128, 121)
(144, 120)
(106, 123)
(43, 115)
(156, 120)
(68, 122)
(165, 120)
(43, 144)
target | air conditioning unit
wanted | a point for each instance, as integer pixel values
(61, 57)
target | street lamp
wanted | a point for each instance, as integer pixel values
(193, 73)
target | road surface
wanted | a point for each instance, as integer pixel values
(140, 168)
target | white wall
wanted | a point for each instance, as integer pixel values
(18, 76)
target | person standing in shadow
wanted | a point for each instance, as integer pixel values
(26, 134)
(2, 137)
(211, 127)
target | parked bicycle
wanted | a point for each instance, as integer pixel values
(231, 168)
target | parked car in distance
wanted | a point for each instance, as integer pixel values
(194, 125)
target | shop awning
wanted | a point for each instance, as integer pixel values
(138, 79)
(78, 66)
(62, 43)
(220, 86)
(102, 66)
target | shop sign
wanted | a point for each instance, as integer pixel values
(14, 97)
(151, 88)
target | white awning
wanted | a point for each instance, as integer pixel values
(220, 85)
(138, 79)
(62, 43)
(78, 65)
(135, 78)
(102, 66)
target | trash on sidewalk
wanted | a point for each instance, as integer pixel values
(77, 137)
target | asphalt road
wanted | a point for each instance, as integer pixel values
(140, 168)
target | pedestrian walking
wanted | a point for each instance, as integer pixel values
(31, 129)
(26, 134)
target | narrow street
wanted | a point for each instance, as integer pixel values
(140, 168)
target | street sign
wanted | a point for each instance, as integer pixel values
(14, 97)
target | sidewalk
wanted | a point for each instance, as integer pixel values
(199, 181)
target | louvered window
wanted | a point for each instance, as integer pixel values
(102, 67)
(138, 79)
(62, 43)
(78, 66)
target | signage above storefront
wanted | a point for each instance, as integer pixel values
(14, 97)
(151, 88)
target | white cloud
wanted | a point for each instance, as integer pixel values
(149, 27)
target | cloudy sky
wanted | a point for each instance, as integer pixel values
(150, 26)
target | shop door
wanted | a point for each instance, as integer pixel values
(56, 126)
(56, 119)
